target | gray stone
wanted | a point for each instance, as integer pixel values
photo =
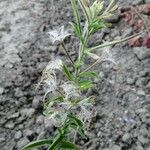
(142, 52)
(36, 102)
(126, 137)
(18, 135)
(141, 82)
(10, 125)
(127, 32)
(2, 139)
(28, 132)
(148, 87)
(141, 92)
(115, 147)
(18, 93)
(145, 72)
(13, 116)
(49, 123)
(130, 81)
(143, 140)
(9, 65)
(41, 135)
(28, 112)
(137, 2)
(13, 58)
(1, 90)
(146, 63)
(40, 119)
(21, 143)
(139, 147)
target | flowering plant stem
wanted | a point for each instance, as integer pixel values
(64, 48)
(67, 103)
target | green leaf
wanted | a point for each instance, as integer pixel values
(37, 144)
(79, 63)
(76, 14)
(76, 30)
(85, 84)
(68, 145)
(57, 98)
(97, 25)
(67, 72)
(89, 74)
(56, 142)
(80, 130)
(77, 120)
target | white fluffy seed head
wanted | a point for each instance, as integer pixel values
(54, 65)
(49, 76)
(58, 34)
(70, 90)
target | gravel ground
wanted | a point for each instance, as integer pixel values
(123, 93)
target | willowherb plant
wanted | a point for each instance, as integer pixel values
(64, 100)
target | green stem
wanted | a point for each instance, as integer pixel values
(76, 13)
(84, 10)
(82, 46)
(64, 48)
(109, 6)
(113, 42)
(95, 63)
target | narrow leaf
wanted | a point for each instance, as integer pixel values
(67, 72)
(76, 14)
(94, 56)
(79, 130)
(37, 144)
(68, 145)
(85, 84)
(89, 74)
(76, 30)
(77, 120)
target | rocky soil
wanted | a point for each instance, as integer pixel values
(123, 92)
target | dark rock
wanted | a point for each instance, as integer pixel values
(114, 19)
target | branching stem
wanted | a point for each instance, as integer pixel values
(68, 55)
